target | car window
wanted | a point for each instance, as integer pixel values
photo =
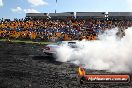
(72, 44)
(58, 43)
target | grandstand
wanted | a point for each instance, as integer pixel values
(82, 15)
(63, 26)
(89, 15)
(120, 15)
(37, 15)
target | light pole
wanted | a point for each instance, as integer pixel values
(56, 6)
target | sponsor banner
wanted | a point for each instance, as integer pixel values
(108, 78)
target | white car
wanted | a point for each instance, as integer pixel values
(51, 48)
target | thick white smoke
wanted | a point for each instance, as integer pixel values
(107, 53)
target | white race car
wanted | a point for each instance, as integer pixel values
(51, 48)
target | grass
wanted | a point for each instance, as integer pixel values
(28, 41)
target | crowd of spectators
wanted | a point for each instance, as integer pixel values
(58, 30)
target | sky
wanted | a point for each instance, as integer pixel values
(10, 9)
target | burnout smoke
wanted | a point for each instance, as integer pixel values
(107, 53)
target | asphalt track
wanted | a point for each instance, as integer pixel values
(25, 66)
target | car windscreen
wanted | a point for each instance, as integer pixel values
(58, 43)
(72, 44)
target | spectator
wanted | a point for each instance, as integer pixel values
(65, 30)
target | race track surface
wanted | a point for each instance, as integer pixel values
(25, 66)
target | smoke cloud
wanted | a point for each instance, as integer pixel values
(108, 53)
